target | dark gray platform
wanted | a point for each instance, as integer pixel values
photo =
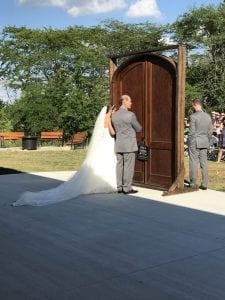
(102, 247)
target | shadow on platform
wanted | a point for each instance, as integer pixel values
(5, 171)
(107, 246)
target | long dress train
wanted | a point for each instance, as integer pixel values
(96, 175)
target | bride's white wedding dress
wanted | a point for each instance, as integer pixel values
(96, 175)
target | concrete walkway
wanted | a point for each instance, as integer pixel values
(111, 246)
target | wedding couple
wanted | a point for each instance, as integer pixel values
(109, 164)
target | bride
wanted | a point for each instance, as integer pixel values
(96, 175)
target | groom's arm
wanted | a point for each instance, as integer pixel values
(135, 124)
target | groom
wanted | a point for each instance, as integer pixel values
(126, 126)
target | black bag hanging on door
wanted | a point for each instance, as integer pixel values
(143, 152)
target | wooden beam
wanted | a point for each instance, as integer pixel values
(114, 56)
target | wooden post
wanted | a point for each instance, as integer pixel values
(112, 68)
(180, 113)
(178, 184)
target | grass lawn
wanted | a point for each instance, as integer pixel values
(61, 160)
(216, 175)
(41, 161)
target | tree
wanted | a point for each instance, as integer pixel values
(202, 30)
(63, 74)
(5, 124)
(123, 38)
(51, 66)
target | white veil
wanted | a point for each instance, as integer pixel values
(96, 175)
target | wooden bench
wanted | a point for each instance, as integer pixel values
(52, 136)
(10, 136)
(79, 139)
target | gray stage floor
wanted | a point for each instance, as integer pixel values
(111, 246)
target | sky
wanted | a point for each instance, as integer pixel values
(59, 14)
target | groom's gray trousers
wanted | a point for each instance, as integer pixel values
(125, 170)
(198, 155)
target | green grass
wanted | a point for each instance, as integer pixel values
(61, 160)
(216, 175)
(41, 161)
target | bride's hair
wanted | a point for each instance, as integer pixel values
(108, 107)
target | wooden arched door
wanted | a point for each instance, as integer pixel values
(151, 82)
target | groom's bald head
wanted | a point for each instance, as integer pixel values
(126, 101)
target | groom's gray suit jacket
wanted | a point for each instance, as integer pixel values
(200, 130)
(126, 125)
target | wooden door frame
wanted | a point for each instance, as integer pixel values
(178, 184)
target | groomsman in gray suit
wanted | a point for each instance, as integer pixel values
(200, 131)
(126, 125)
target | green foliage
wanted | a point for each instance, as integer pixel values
(5, 123)
(202, 29)
(63, 74)
(122, 38)
(32, 113)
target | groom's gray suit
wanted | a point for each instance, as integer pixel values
(126, 126)
(200, 131)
